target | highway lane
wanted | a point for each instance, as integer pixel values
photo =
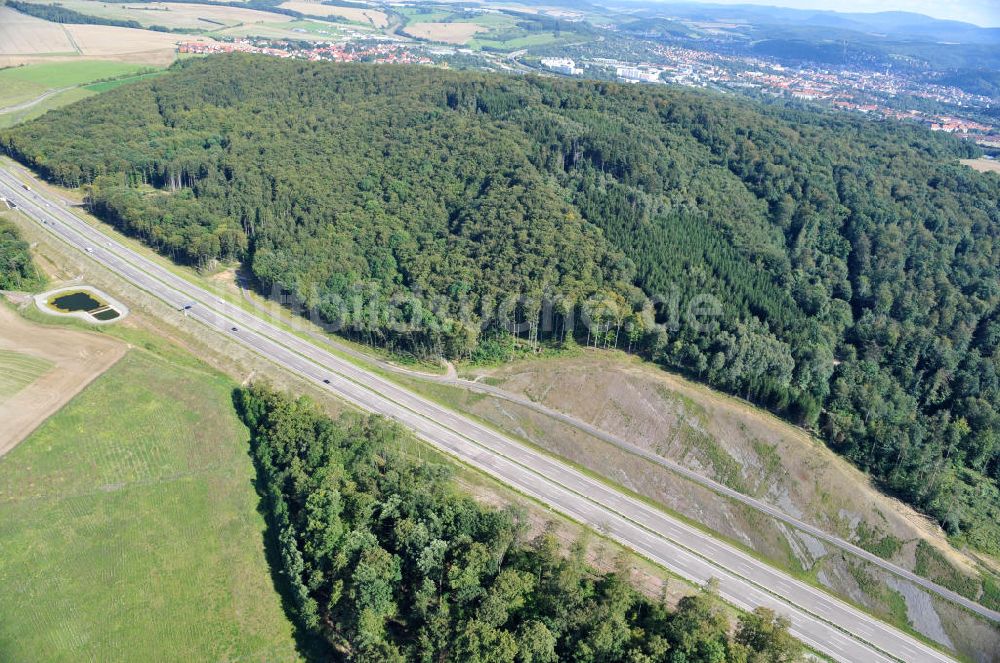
(825, 623)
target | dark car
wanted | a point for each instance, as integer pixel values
(235, 329)
(326, 382)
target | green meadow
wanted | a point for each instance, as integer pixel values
(63, 82)
(129, 528)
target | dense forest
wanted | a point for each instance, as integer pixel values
(388, 563)
(17, 270)
(856, 261)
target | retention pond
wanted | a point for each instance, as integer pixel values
(82, 302)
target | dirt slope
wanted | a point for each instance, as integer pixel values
(78, 358)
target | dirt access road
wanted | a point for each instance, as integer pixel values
(77, 357)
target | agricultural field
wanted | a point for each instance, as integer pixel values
(514, 43)
(41, 369)
(40, 106)
(35, 79)
(423, 14)
(23, 35)
(18, 370)
(130, 528)
(371, 17)
(170, 15)
(449, 33)
(983, 165)
(495, 30)
(302, 30)
(128, 44)
(31, 90)
(28, 40)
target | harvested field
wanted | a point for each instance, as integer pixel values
(74, 358)
(21, 34)
(106, 40)
(982, 165)
(449, 33)
(369, 16)
(18, 370)
(170, 15)
(100, 42)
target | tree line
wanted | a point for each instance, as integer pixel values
(386, 561)
(58, 14)
(856, 261)
(17, 269)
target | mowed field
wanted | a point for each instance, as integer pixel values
(41, 369)
(367, 16)
(18, 370)
(129, 527)
(449, 33)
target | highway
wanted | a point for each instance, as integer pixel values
(688, 473)
(453, 380)
(825, 623)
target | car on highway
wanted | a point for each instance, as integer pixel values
(326, 381)
(234, 329)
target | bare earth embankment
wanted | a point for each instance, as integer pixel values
(71, 360)
(751, 451)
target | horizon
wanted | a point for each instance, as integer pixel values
(982, 13)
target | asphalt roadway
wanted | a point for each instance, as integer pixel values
(825, 623)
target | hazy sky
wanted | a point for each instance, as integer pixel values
(980, 12)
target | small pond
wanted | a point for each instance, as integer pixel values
(81, 302)
(77, 301)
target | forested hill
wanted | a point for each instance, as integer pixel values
(857, 261)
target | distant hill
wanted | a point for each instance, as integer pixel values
(934, 50)
(891, 24)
